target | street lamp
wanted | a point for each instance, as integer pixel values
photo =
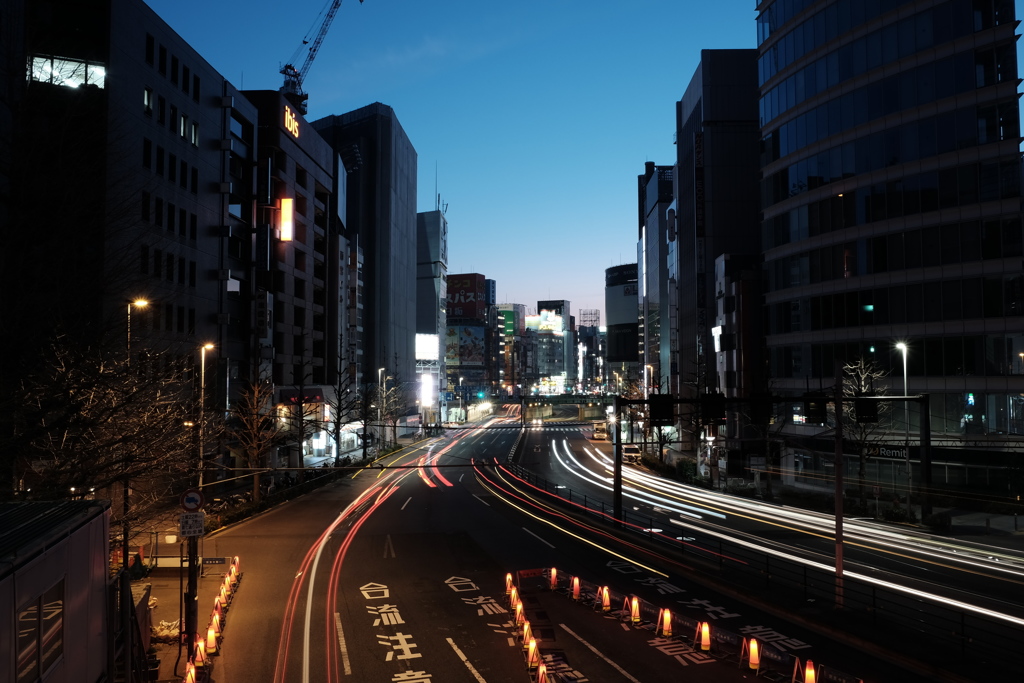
(202, 406)
(138, 303)
(906, 417)
(380, 404)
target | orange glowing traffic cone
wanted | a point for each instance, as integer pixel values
(223, 598)
(576, 588)
(606, 599)
(666, 623)
(190, 674)
(809, 675)
(227, 586)
(200, 654)
(527, 633)
(519, 614)
(755, 655)
(218, 607)
(705, 636)
(215, 624)
(211, 642)
(634, 610)
(532, 655)
(237, 564)
(508, 584)
(542, 673)
(233, 575)
(554, 579)
(513, 597)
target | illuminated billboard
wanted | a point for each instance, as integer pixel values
(548, 322)
(467, 296)
(464, 345)
(428, 347)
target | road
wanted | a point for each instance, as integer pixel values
(398, 574)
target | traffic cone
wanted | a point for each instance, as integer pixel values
(513, 597)
(508, 584)
(755, 655)
(527, 633)
(542, 673)
(634, 610)
(218, 607)
(519, 613)
(809, 675)
(227, 586)
(554, 579)
(606, 599)
(705, 636)
(666, 623)
(200, 654)
(576, 588)
(223, 598)
(190, 674)
(532, 655)
(211, 642)
(215, 624)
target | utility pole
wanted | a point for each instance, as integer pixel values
(839, 484)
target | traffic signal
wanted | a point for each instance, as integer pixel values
(713, 408)
(866, 409)
(662, 410)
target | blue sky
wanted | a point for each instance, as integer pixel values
(537, 115)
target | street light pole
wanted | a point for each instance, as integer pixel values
(906, 418)
(202, 408)
(380, 402)
(462, 408)
(138, 303)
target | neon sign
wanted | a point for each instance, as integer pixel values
(291, 124)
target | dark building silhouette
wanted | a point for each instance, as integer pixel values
(891, 208)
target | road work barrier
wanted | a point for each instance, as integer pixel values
(200, 667)
(720, 644)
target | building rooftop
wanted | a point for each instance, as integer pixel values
(29, 529)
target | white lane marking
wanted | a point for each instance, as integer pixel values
(405, 503)
(538, 538)
(465, 661)
(481, 500)
(388, 546)
(309, 611)
(341, 645)
(599, 654)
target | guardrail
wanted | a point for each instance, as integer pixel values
(905, 622)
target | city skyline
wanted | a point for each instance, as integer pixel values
(533, 139)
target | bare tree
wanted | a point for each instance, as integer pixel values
(864, 378)
(254, 426)
(344, 402)
(96, 426)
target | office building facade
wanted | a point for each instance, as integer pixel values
(891, 208)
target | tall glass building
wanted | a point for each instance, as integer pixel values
(891, 198)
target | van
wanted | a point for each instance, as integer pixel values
(600, 431)
(631, 453)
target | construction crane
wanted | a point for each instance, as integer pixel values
(293, 76)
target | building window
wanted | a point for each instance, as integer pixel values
(150, 49)
(183, 127)
(161, 110)
(170, 268)
(181, 270)
(158, 211)
(182, 221)
(172, 168)
(159, 160)
(191, 321)
(174, 70)
(168, 317)
(147, 153)
(183, 176)
(147, 101)
(181, 318)
(193, 226)
(69, 73)
(195, 87)
(193, 136)
(191, 273)
(158, 262)
(186, 77)
(145, 206)
(170, 217)
(162, 62)
(144, 259)
(195, 183)
(174, 118)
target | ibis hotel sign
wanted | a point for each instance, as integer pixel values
(291, 123)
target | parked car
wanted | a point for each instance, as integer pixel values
(631, 453)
